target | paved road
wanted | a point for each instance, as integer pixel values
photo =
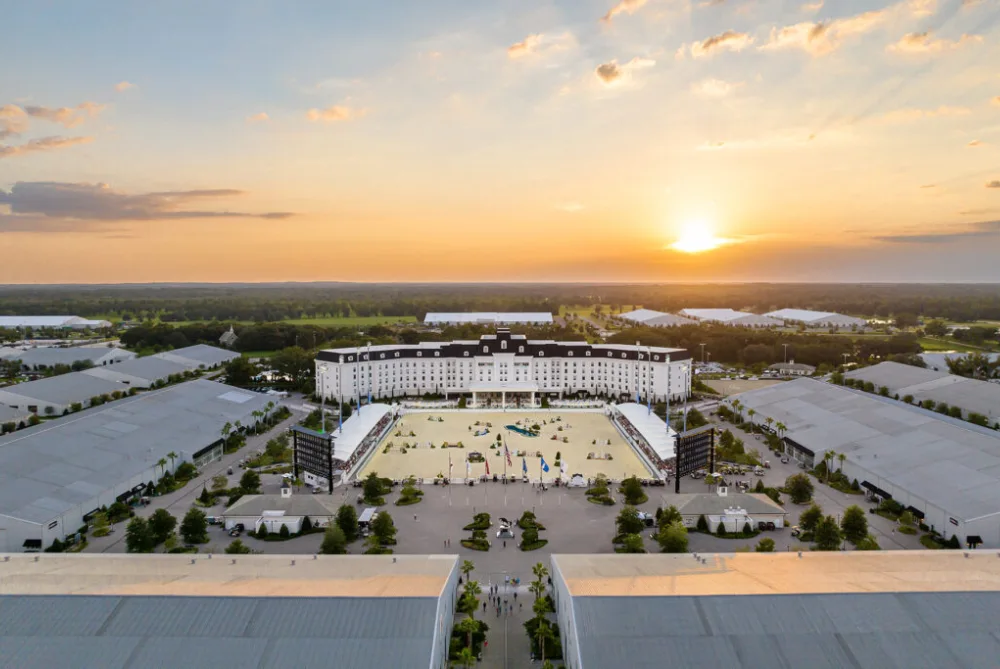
(178, 502)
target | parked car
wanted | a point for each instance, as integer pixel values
(796, 531)
(237, 530)
(784, 459)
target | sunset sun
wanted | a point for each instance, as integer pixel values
(697, 237)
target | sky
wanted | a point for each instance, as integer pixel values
(508, 140)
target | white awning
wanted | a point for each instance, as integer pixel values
(651, 428)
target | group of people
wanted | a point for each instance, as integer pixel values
(501, 603)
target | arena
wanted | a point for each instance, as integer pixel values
(415, 445)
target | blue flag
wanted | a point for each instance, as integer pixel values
(545, 466)
(524, 465)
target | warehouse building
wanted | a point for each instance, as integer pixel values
(199, 356)
(655, 318)
(817, 319)
(731, 317)
(13, 419)
(46, 358)
(55, 395)
(791, 368)
(504, 369)
(199, 612)
(141, 372)
(57, 322)
(945, 470)
(969, 395)
(55, 475)
(858, 609)
(489, 318)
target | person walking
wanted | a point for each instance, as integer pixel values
(484, 607)
(515, 595)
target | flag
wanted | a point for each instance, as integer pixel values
(524, 465)
(562, 468)
(545, 466)
(468, 469)
(450, 466)
(487, 467)
(507, 453)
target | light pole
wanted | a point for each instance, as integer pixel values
(846, 356)
(322, 396)
(702, 353)
(786, 353)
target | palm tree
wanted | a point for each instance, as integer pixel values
(751, 413)
(238, 425)
(466, 568)
(162, 464)
(781, 428)
(840, 458)
(226, 431)
(769, 421)
(256, 421)
(468, 627)
(173, 456)
(828, 458)
(466, 658)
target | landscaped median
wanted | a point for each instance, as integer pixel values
(529, 532)
(478, 541)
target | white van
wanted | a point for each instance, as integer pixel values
(366, 518)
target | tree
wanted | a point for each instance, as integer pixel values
(173, 456)
(373, 487)
(219, 483)
(936, 328)
(906, 519)
(283, 532)
(810, 518)
(632, 543)
(828, 460)
(670, 515)
(906, 320)
(237, 547)
(468, 627)
(250, 482)
(841, 457)
(138, 537)
(828, 536)
(854, 524)
(673, 538)
(241, 372)
(334, 541)
(384, 528)
(751, 413)
(204, 497)
(100, 523)
(347, 521)
(306, 524)
(194, 526)
(466, 658)
(262, 531)
(799, 487)
(628, 521)
(632, 490)
(294, 362)
(721, 529)
(765, 545)
(161, 524)
(702, 525)
(162, 464)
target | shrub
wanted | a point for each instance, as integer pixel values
(721, 529)
(334, 541)
(799, 487)
(185, 471)
(283, 532)
(765, 545)
(262, 532)
(702, 525)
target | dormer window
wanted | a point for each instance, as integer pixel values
(609, 354)
(486, 349)
(397, 354)
(520, 349)
(588, 354)
(419, 353)
(381, 356)
(623, 354)
(503, 345)
(570, 354)
(437, 354)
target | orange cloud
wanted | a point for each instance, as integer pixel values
(729, 41)
(612, 73)
(42, 144)
(922, 43)
(974, 143)
(541, 44)
(69, 117)
(623, 7)
(820, 39)
(13, 121)
(123, 86)
(258, 118)
(812, 7)
(714, 88)
(335, 113)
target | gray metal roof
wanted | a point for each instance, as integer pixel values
(489, 317)
(13, 415)
(111, 632)
(64, 389)
(711, 504)
(47, 469)
(871, 630)
(148, 369)
(50, 356)
(295, 506)
(952, 464)
(199, 355)
(968, 394)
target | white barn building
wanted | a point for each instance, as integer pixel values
(656, 318)
(732, 317)
(817, 319)
(503, 370)
(489, 318)
(58, 322)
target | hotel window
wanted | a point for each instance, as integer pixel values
(503, 345)
(520, 349)
(486, 349)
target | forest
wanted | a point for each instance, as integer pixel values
(275, 302)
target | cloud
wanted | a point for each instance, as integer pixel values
(612, 73)
(923, 43)
(993, 184)
(335, 113)
(13, 121)
(714, 88)
(925, 186)
(729, 40)
(69, 117)
(913, 114)
(976, 142)
(711, 3)
(541, 45)
(820, 39)
(996, 101)
(123, 86)
(812, 7)
(624, 7)
(44, 200)
(570, 207)
(42, 144)
(983, 229)
(261, 117)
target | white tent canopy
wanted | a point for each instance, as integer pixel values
(651, 428)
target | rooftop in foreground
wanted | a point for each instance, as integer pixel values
(779, 573)
(219, 576)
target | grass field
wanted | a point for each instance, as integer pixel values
(936, 345)
(331, 321)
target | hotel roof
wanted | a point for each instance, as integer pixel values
(489, 317)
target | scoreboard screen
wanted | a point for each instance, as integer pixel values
(695, 450)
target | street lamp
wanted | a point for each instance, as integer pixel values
(786, 353)
(702, 353)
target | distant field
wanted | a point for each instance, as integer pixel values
(727, 387)
(930, 344)
(330, 321)
(258, 354)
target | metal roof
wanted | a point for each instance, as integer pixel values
(143, 370)
(8, 415)
(48, 469)
(730, 316)
(295, 506)
(969, 394)
(347, 439)
(48, 356)
(116, 632)
(654, 430)
(951, 464)
(655, 318)
(49, 322)
(489, 317)
(874, 630)
(712, 504)
(62, 390)
(199, 355)
(815, 317)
